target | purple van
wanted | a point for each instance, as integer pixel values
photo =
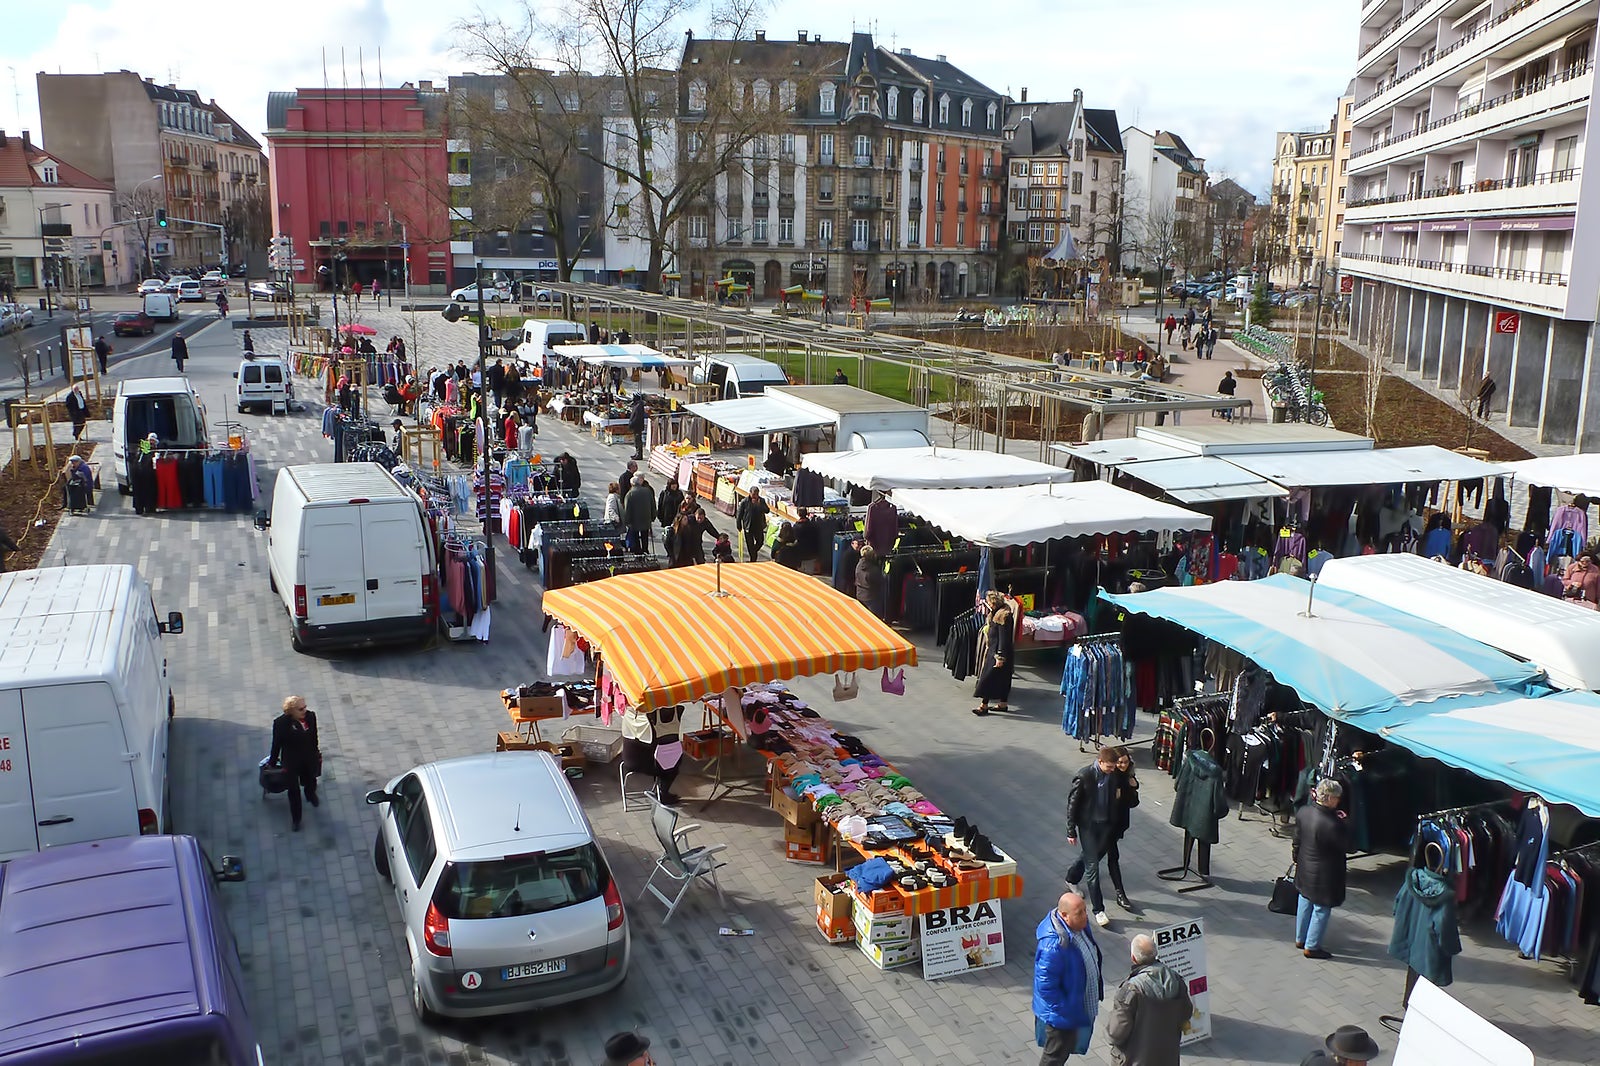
(117, 951)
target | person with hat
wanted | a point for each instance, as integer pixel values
(142, 476)
(628, 1049)
(397, 425)
(1345, 1046)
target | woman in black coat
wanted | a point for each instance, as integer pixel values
(1321, 844)
(994, 663)
(295, 748)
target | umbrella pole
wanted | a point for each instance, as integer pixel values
(1311, 594)
(719, 594)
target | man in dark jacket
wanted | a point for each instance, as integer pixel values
(1067, 985)
(1091, 817)
(180, 349)
(751, 518)
(294, 747)
(1320, 845)
(638, 513)
(636, 419)
(1149, 1012)
(625, 481)
(497, 382)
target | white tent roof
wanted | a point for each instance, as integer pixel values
(1121, 450)
(884, 469)
(1558, 637)
(624, 355)
(1569, 473)
(1379, 466)
(1203, 478)
(1028, 514)
(752, 415)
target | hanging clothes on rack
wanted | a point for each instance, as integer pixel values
(961, 645)
(1096, 701)
(1524, 903)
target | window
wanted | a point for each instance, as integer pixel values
(1077, 151)
(735, 229)
(1035, 233)
(761, 90)
(916, 106)
(759, 149)
(1035, 199)
(944, 109)
(1553, 256)
(1019, 169)
(786, 145)
(825, 149)
(693, 142)
(738, 95)
(615, 101)
(786, 95)
(414, 827)
(825, 188)
(501, 100)
(1093, 196)
(914, 231)
(993, 114)
(1566, 154)
(1074, 215)
(894, 102)
(786, 229)
(524, 884)
(622, 210)
(966, 114)
(824, 231)
(864, 102)
(50, 174)
(938, 231)
(1050, 232)
(758, 229)
(888, 233)
(961, 231)
(1051, 199)
(825, 98)
(1094, 172)
(863, 148)
(572, 103)
(860, 231)
(1514, 251)
(697, 227)
(1038, 169)
(1077, 182)
(1052, 170)
(697, 96)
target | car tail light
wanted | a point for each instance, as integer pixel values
(613, 900)
(430, 595)
(147, 822)
(300, 601)
(436, 931)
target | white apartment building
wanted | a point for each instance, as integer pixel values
(1474, 249)
(1163, 179)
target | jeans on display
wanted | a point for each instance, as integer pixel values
(1310, 922)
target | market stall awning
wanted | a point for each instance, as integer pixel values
(1549, 745)
(1561, 638)
(884, 469)
(1029, 514)
(1203, 479)
(751, 415)
(668, 638)
(1360, 466)
(1351, 656)
(624, 355)
(1119, 451)
(1569, 473)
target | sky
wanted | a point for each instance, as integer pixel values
(1224, 74)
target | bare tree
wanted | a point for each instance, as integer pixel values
(139, 207)
(1381, 337)
(246, 225)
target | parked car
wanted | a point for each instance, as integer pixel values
(275, 291)
(508, 902)
(133, 324)
(468, 294)
(149, 285)
(8, 321)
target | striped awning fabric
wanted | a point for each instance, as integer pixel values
(668, 639)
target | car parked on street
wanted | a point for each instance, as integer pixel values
(19, 316)
(468, 294)
(173, 281)
(507, 901)
(275, 291)
(133, 324)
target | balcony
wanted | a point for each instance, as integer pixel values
(1513, 286)
(938, 168)
(1389, 30)
(177, 159)
(236, 176)
(824, 196)
(1488, 34)
(863, 160)
(210, 166)
(786, 198)
(915, 164)
(761, 201)
(864, 246)
(824, 161)
(459, 181)
(697, 242)
(992, 172)
(992, 208)
(864, 202)
(913, 244)
(786, 155)
(985, 246)
(914, 203)
(961, 207)
(1534, 191)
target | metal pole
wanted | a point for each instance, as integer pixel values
(483, 410)
(1316, 321)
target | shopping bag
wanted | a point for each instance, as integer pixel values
(273, 779)
(845, 687)
(894, 684)
(1285, 897)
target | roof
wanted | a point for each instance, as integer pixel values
(1569, 473)
(932, 468)
(1173, 147)
(1104, 133)
(942, 73)
(520, 798)
(1228, 189)
(241, 136)
(279, 105)
(752, 415)
(1377, 466)
(98, 938)
(173, 94)
(18, 160)
(1042, 128)
(1203, 479)
(844, 399)
(158, 386)
(1236, 438)
(337, 482)
(62, 622)
(774, 57)
(1033, 514)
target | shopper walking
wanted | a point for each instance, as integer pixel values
(295, 748)
(613, 511)
(1149, 1011)
(180, 349)
(1170, 324)
(993, 659)
(668, 503)
(1211, 338)
(1092, 815)
(639, 514)
(142, 476)
(751, 518)
(869, 580)
(1227, 387)
(102, 353)
(1127, 798)
(1067, 984)
(636, 423)
(1348, 1045)
(1320, 845)
(688, 537)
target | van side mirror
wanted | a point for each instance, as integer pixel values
(231, 870)
(378, 795)
(173, 624)
(262, 521)
(236, 374)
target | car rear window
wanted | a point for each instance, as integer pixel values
(274, 374)
(521, 884)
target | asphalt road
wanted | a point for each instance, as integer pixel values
(48, 331)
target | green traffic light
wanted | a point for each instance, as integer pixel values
(161, 219)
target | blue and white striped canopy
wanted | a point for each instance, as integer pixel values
(1351, 656)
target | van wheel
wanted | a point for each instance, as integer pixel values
(380, 857)
(272, 582)
(425, 1013)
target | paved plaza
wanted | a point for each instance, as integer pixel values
(323, 951)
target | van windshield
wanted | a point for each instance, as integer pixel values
(521, 884)
(173, 418)
(199, 1050)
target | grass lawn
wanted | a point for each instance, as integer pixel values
(882, 378)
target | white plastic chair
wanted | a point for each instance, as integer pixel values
(681, 864)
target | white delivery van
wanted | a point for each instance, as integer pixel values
(168, 407)
(539, 335)
(737, 375)
(262, 383)
(84, 704)
(161, 306)
(350, 556)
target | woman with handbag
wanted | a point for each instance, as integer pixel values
(994, 657)
(295, 749)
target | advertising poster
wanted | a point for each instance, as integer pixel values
(961, 940)
(1183, 947)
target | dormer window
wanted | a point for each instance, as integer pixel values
(825, 98)
(48, 174)
(966, 113)
(994, 114)
(894, 102)
(944, 109)
(916, 106)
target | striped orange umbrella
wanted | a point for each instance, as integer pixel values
(669, 637)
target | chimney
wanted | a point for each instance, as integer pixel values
(1077, 99)
(802, 36)
(761, 35)
(941, 59)
(1024, 94)
(26, 142)
(424, 85)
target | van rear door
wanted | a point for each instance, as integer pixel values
(80, 763)
(330, 544)
(18, 834)
(391, 536)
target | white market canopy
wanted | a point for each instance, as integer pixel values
(750, 416)
(1202, 479)
(1377, 466)
(626, 356)
(1569, 473)
(1030, 514)
(886, 469)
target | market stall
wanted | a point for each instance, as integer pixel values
(887, 469)
(1029, 514)
(1569, 473)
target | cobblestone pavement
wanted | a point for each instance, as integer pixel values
(322, 947)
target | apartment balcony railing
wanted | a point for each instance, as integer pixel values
(825, 196)
(1389, 30)
(992, 172)
(939, 167)
(915, 163)
(863, 202)
(178, 159)
(825, 161)
(1567, 74)
(209, 165)
(961, 206)
(985, 246)
(786, 155)
(236, 176)
(863, 160)
(890, 163)
(1552, 177)
(864, 246)
(786, 198)
(761, 201)
(992, 208)
(1399, 79)
(697, 242)
(1536, 277)
(914, 203)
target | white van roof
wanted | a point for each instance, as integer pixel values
(339, 482)
(153, 386)
(62, 623)
(551, 323)
(742, 359)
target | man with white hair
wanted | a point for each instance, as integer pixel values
(1321, 843)
(1149, 1012)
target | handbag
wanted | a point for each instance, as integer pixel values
(894, 684)
(1285, 897)
(845, 687)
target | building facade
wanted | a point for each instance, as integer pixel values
(360, 185)
(1468, 230)
(161, 147)
(1064, 175)
(1164, 198)
(881, 176)
(40, 192)
(1303, 173)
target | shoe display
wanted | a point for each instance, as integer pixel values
(1102, 919)
(1317, 953)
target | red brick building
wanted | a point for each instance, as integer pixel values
(358, 174)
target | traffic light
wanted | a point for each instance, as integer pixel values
(161, 217)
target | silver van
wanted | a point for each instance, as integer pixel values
(507, 901)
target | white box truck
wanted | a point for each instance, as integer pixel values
(84, 706)
(350, 556)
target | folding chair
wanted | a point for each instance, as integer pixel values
(681, 864)
(634, 800)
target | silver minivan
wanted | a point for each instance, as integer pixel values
(507, 901)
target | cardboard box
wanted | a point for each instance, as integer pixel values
(836, 930)
(568, 755)
(889, 956)
(879, 930)
(537, 708)
(807, 845)
(797, 810)
(834, 897)
(512, 742)
(885, 901)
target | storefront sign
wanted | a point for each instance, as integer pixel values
(1445, 225)
(1347, 284)
(961, 940)
(1507, 321)
(1524, 225)
(1183, 947)
(1404, 227)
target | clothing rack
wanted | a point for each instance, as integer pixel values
(1096, 737)
(1446, 812)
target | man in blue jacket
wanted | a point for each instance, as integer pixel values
(1067, 986)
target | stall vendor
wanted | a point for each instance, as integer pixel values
(1581, 581)
(651, 745)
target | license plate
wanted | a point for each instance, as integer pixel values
(533, 969)
(338, 600)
